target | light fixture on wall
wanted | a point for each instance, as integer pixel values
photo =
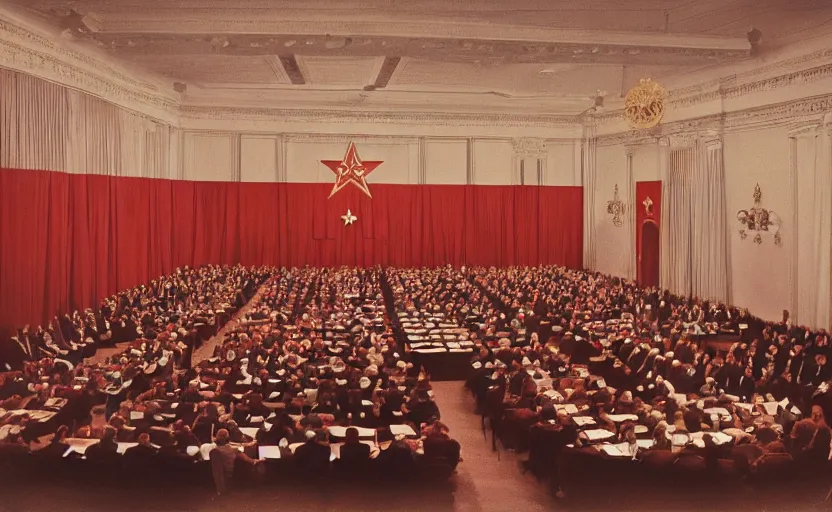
(616, 209)
(759, 220)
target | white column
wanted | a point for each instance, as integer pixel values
(588, 178)
(630, 214)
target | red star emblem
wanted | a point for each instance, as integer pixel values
(351, 170)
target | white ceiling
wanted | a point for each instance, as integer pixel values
(557, 52)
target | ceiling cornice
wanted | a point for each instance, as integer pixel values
(36, 52)
(352, 116)
(26, 50)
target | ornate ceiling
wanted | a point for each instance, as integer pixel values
(545, 55)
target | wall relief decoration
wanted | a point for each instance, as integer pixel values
(759, 220)
(648, 206)
(616, 209)
(644, 104)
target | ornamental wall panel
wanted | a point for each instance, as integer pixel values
(493, 162)
(209, 157)
(258, 158)
(761, 273)
(446, 161)
(563, 164)
(613, 243)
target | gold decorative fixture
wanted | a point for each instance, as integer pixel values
(616, 209)
(644, 105)
(759, 220)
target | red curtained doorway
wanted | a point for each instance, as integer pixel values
(648, 229)
(650, 247)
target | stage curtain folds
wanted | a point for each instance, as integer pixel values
(68, 240)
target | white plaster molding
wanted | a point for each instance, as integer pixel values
(682, 140)
(528, 147)
(353, 116)
(346, 138)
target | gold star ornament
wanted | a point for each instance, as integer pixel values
(349, 218)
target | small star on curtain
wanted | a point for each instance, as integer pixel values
(349, 218)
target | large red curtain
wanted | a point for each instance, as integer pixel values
(68, 240)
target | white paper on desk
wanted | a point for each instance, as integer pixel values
(238, 396)
(257, 419)
(366, 403)
(430, 350)
(719, 411)
(569, 408)
(122, 447)
(78, 445)
(174, 405)
(250, 431)
(554, 395)
(583, 421)
(274, 381)
(461, 350)
(268, 452)
(770, 408)
(267, 426)
(619, 418)
(405, 430)
(192, 450)
(55, 402)
(136, 415)
(205, 450)
(274, 394)
(795, 411)
(597, 434)
(721, 437)
(616, 450)
(645, 444)
(168, 415)
(747, 407)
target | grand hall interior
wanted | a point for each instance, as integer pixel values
(446, 255)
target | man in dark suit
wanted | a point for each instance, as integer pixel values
(313, 456)
(106, 449)
(746, 385)
(355, 455)
(141, 456)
